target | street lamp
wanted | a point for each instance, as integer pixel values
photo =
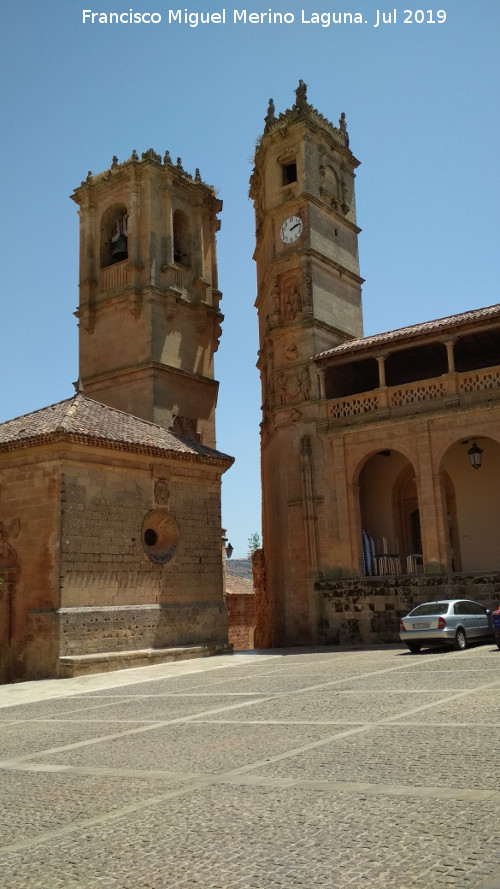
(475, 455)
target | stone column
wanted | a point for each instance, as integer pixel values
(432, 506)
(322, 384)
(346, 497)
(450, 355)
(381, 371)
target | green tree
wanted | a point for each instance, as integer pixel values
(253, 543)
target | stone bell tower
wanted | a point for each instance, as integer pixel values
(149, 316)
(308, 300)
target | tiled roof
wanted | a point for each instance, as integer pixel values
(82, 419)
(415, 330)
(236, 584)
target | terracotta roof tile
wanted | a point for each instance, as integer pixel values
(236, 584)
(82, 418)
(402, 333)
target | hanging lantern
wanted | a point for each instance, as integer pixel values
(475, 455)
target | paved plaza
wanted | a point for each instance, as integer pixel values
(275, 770)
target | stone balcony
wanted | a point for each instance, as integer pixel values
(448, 391)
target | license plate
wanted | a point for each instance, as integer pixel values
(421, 626)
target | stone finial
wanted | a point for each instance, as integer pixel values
(270, 117)
(343, 129)
(135, 156)
(89, 176)
(179, 164)
(301, 95)
(167, 159)
(114, 162)
(197, 176)
(151, 154)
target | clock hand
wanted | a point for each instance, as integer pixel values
(294, 226)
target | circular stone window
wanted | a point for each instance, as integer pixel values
(160, 536)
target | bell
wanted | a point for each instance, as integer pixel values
(119, 248)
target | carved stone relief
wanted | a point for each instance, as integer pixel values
(185, 426)
(8, 555)
(292, 385)
(291, 297)
(161, 491)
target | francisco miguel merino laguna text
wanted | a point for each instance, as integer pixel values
(269, 17)
(236, 16)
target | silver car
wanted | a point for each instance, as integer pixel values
(448, 621)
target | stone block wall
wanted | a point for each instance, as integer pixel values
(29, 558)
(241, 610)
(79, 575)
(117, 592)
(139, 627)
(368, 610)
(104, 560)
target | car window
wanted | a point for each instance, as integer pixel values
(474, 608)
(461, 608)
(430, 608)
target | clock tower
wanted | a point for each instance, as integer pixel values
(149, 319)
(308, 300)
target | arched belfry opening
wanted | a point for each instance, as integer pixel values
(182, 238)
(114, 235)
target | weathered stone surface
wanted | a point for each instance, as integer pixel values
(325, 769)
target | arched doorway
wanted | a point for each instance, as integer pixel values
(473, 505)
(390, 516)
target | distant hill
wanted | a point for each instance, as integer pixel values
(239, 567)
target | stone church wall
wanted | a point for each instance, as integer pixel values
(78, 575)
(29, 549)
(117, 593)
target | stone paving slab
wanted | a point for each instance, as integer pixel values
(55, 798)
(406, 755)
(262, 837)
(195, 747)
(227, 774)
(482, 705)
(420, 680)
(16, 739)
(330, 705)
(134, 708)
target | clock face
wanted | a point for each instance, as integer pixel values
(291, 229)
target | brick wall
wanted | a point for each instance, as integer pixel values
(241, 609)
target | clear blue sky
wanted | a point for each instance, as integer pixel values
(421, 102)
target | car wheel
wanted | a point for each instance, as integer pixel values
(414, 647)
(461, 640)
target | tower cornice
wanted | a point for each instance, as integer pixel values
(173, 173)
